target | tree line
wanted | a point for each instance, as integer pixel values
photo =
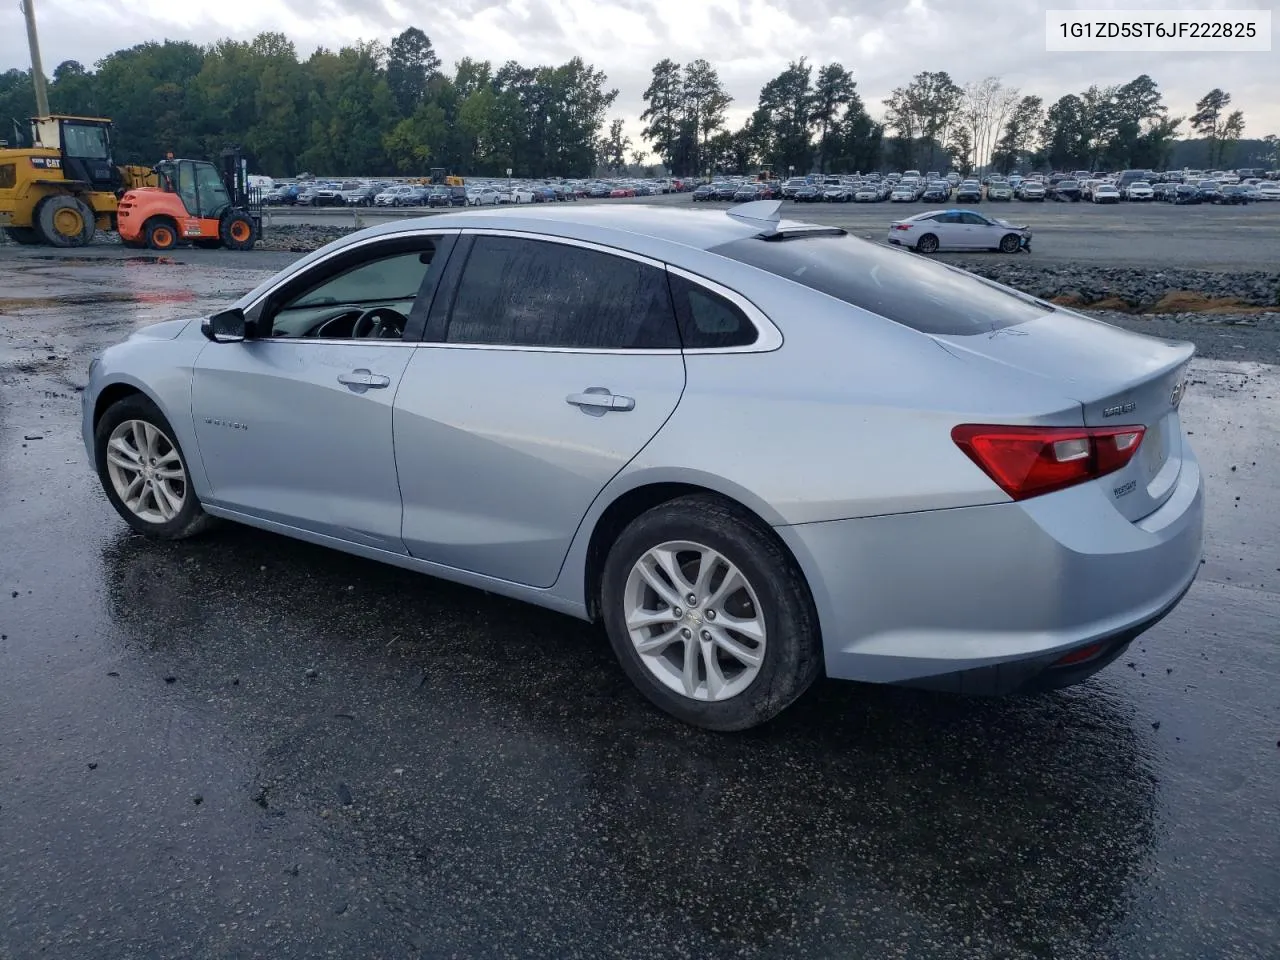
(383, 109)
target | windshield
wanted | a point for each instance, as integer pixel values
(925, 295)
(84, 141)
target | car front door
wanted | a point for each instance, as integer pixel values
(554, 365)
(979, 232)
(294, 424)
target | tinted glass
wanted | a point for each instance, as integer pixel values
(918, 293)
(708, 320)
(394, 278)
(534, 293)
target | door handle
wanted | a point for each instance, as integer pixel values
(364, 378)
(597, 401)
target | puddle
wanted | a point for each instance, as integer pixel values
(99, 261)
(90, 299)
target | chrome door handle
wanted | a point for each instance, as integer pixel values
(597, 401)
(364, 378)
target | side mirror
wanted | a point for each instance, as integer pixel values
(226, 326)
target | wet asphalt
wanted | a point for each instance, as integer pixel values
(244, 746)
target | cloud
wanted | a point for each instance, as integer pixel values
(884, 42)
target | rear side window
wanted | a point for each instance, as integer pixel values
(708, 320)
(908, 289)
(522, 292)
(8, 176)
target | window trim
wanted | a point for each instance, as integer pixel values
(768, 336)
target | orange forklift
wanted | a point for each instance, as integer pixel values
(193, 203)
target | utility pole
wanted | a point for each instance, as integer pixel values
(37, 69)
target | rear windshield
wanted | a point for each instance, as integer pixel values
(925, 295)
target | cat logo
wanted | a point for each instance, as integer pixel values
(46, 163)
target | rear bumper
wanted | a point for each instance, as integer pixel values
(987, 599)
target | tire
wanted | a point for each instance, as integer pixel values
(1010, 243)
(238, 231)
(927, 244)
(26, 236)
(775, 596)
(64, 221)
(153, 513)
(161, 233)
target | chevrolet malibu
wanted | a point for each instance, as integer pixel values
(755, 450)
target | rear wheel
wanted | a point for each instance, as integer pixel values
(927, 244)
(161, 234)
(709, 615)
(1010, 243)
(238, 232)
(65, 222)
(26, 236)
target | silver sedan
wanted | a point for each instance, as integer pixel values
(755, 450)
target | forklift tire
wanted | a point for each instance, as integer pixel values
(64, 221)
(238, 232)
(26, 236)
(161, 234)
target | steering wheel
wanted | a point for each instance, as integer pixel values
(379, 323)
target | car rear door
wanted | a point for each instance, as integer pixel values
(549, 365)
(294, 426)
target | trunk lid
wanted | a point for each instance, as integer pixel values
(1118, 378)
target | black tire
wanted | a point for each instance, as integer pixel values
(927, 244)
(51, 212)
(191, 518)
(238, 231)
(1010, 243)
(160, 233)
(26, 236)
(793, 650)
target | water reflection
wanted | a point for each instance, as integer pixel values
(534, 781)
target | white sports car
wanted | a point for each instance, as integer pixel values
(958, 230)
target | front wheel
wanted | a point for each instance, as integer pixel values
(709, 615)
(237, 231)
(927, 244)
(1010, 243)
(144, 473)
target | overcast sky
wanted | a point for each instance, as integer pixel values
(883, 42)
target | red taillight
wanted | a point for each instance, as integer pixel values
(1029, 461)
(902, 226)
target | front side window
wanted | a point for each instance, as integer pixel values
(522, 292)
(382, 289)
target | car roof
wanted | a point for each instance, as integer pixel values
(630, 227)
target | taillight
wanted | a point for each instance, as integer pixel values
(1030, 461)
(902, 226)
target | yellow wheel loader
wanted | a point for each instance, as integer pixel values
(65, 186)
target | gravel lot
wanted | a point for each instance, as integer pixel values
(248, 746)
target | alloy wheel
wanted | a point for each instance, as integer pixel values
(695, 620)
(146, 471)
